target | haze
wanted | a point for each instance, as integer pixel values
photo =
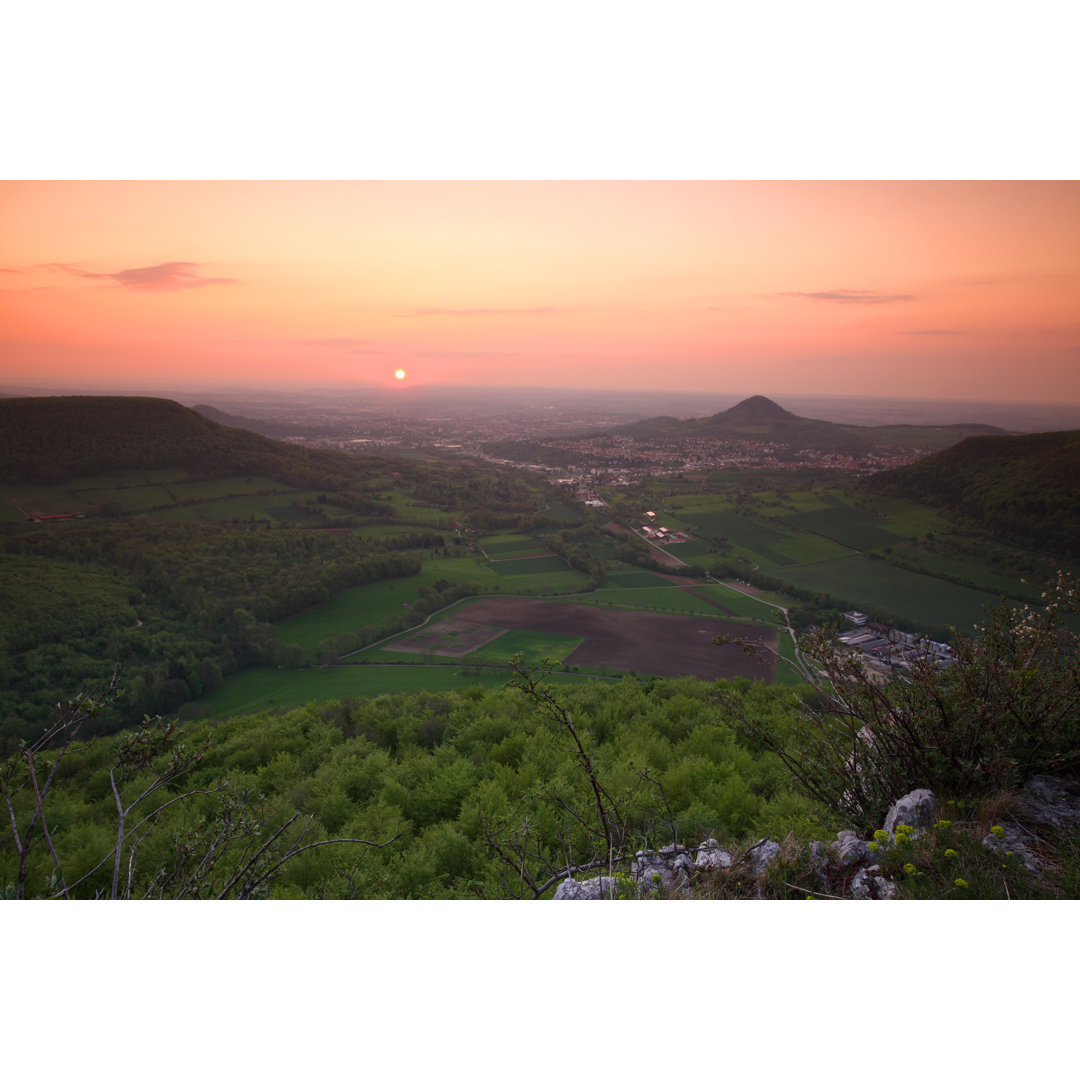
(961, 291)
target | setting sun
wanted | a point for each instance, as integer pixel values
(399, 374)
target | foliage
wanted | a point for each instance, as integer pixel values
(230, 851)
(448, 771)
(1008, 708)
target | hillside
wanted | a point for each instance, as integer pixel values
(269, 428)
(50, 440)
(1023, 486)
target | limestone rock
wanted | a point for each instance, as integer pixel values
(866, 885)
(602, 888)
(711, 856)
(916, 808)
(760, 855)
(669, 868)
(1013, 839)
(1052, 802)
(848, 850)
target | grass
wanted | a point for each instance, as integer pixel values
(510, 545)
(874, 583)
(258, 689)
(531, 645)
(846, 525)
(537, 565)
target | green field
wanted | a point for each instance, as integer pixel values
(855, 579)
(533, 565)
(746, 607)
(509, 545)
(369, 605)
(845, 524)
(257, 689)
(764, 545)
(530, 645)
(974, 572)
(804, 548)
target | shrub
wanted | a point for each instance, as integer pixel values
(1008, 708)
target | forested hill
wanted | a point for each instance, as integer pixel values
(49, 440)
(760, 418)
(757, 417)
(1022, 485)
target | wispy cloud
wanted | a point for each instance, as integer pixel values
(849, 296)
(929, 331)
(164, 277)
(5, 270)
(417, 313)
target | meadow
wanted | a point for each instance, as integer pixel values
(257, 689)
(875, 583)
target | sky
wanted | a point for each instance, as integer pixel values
(952, 289)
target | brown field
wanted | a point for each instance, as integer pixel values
(645, 642)
(451, 637)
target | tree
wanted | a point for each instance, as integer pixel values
(561, 832)
(232, 851)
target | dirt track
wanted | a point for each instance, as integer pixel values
(645, 642)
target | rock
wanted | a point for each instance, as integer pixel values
(1012, 839)
(711, 856)
(917, 807)
(602, 888)
(1053, 802)
(866, 885)
(849, 849)
(669, 868)
(760, 855)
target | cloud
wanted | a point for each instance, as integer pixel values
(5, 270)
(165, 277)
(929, 331)
(420, 312)
(850, 296)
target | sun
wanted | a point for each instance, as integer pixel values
(400, 373)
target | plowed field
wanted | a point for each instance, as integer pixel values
(645, 642)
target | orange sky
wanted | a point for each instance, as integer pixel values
(964, 290)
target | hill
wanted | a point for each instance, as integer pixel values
(1023, 486)
(759, 418)
(50, 440)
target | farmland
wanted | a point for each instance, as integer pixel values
(819, 541)
(645, 642)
